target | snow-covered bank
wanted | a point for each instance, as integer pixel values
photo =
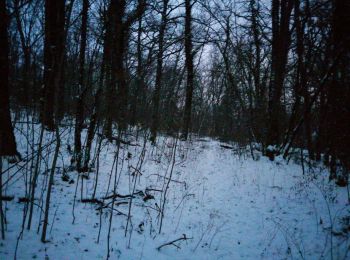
(228, 206)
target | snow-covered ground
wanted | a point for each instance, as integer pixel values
(224, 203)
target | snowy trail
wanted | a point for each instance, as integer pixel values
(230, 206)
(251, 210)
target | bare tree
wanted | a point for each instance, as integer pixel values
(158, 81)
(82, 87)
(7, 138)
(119, 25)
(53, 59)
(281, 33)
(49, 188)
(190, 69)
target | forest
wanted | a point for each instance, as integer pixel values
(174, 129)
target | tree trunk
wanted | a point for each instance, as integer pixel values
(108, 68)
(25, 85)
(120, 23)
(7, 137)
(91, 131)
(61, 95)
(338, 92)
(79, 117)
(280, 13)
(53, 59)
(51, 180)
(158, 83)
(259, 114)
(120, 45)
(190, 70)
(138, 94)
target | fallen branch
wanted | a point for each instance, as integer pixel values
(227, 147)
(6, 198)
(24, 200)
(140, 193)
(118, 211)
(94, 201)
(107, 206)
(184, 237)
(150, 189)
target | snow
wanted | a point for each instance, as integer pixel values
(227, 205)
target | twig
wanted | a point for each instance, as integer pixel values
(122, 196)
(184, 237)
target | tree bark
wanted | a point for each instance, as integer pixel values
(79, 117)
(7, 138)
(120, 23)
(25, 85)
(53, 59)
(158, 83)
(338, 92)
(139, 81)
(49, 188)
(91, 131)
(190, 70)
(280, 13)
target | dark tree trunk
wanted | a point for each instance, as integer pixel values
(158, 83)
(49, 188)
(119, 48)
(280, 13)
(108, 69)
(321, 137)
(79, 117)
(91, 130)
(190, 70)
(339, 91)
(62, 96)
(139, 81)
(299, 80)
(119, 25)
(257, 43)
(7, 138)
(25, 84)
(301, 88)
(53, 59)
(260, 99)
